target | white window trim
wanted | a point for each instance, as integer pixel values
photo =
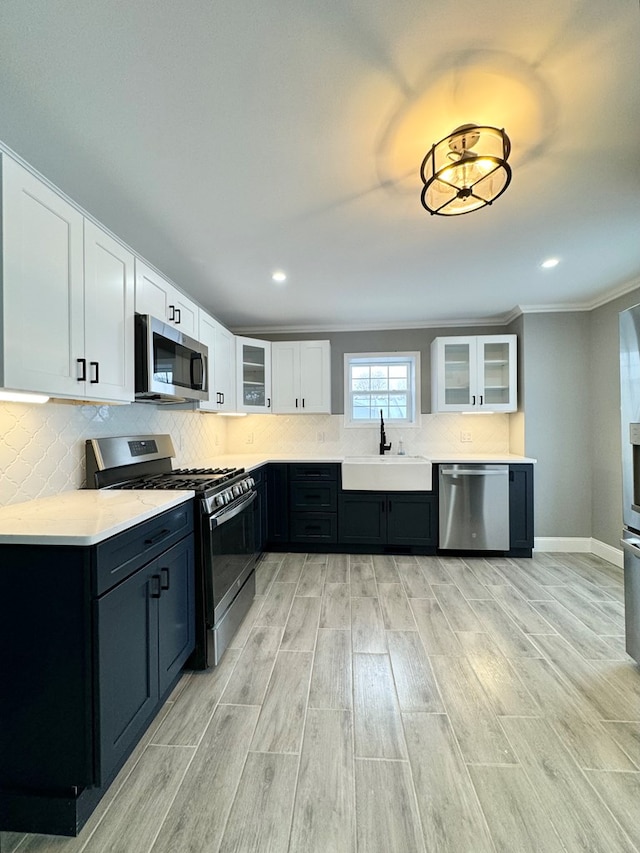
(382, 356)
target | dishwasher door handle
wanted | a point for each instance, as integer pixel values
(470, 472)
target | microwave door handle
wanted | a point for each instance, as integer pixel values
(197, 376)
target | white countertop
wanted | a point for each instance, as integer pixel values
(84, 517)
(255, 460)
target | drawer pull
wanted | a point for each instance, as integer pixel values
(158, 538)
(165, 584)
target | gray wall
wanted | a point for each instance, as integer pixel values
(556, 397)
(389, 340)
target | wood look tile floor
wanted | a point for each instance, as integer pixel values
(399, 705)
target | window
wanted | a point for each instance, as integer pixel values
(387, 382)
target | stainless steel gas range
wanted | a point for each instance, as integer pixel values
(225, 523)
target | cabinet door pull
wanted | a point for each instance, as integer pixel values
(473, 400)
(296, 402)
(222, 397)
(268, 402)
(156, 588)
(172, 314)
(96, 375)
(165, 581)
(158, 537)
(178, 315)
(83, 363)
(481, 398)
(303, 402)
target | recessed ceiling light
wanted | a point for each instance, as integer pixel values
(279, 277)
(550, 263)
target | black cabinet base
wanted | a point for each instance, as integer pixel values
(62, 812)
(512, 552)
(324, 548)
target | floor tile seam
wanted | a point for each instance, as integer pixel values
(435, 682)
(463, 763)
(601, 770)
(495, 634)
(113, 798)
(379, 758)
(575, 616)
(173, 745)
(232, 799)
(170, 804)
(585, 699)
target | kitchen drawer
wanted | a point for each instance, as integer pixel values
(314, 527)
(320, 497)
(120, 556)
(313, 471)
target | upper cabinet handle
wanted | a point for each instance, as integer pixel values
(83, 375)
(96, 378)
(172, 315)
(177, 316)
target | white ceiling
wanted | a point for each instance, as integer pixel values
(224, 140)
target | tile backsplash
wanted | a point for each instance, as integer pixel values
(42, 447)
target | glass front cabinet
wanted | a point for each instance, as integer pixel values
(253, 359)
(474, 374)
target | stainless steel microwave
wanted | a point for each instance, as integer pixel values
(171, 367)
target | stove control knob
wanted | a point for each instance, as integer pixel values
(237, 491)
(250, 483)
(219, 499)
(227, 496)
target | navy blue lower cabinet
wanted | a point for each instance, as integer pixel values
(87, 663)
(521, 537)
(277, 502)
(388, 521)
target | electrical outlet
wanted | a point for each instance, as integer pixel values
(465, 436)
(249, 438)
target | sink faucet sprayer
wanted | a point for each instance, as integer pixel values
(383, 438)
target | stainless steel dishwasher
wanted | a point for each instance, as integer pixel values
(474, 507)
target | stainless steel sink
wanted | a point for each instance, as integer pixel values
(386, 473)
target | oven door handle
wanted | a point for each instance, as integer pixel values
(631, 545)
(226, 515)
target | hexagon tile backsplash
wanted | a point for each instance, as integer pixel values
(42, 447)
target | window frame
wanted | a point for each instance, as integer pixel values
(386, 358)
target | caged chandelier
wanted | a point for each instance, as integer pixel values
(466, 170)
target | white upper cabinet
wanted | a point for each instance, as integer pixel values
(301, 378)
(158, 297)
(253, 371)
(109, 316)
(222, 365)
(474, 374)
(67, 297)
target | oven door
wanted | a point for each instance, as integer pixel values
(229, 555)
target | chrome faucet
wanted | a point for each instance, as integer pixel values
(383, 438)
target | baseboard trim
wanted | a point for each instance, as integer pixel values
(580, 545)
(608, 552)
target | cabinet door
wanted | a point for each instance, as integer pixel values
(184, 314)
(222, 360)
(315, 376)
(362, 518)
(176, 610)
(285, 360)
(152, 292)
(127, 620)
(277, 503)
(42, 261)
(109, 317)
(454, 374)
(254, 375)
(497, 375)
(411, 519)
(521, 507)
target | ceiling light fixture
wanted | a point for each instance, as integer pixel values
(550, 263)
(279, 277)
(457, 179)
